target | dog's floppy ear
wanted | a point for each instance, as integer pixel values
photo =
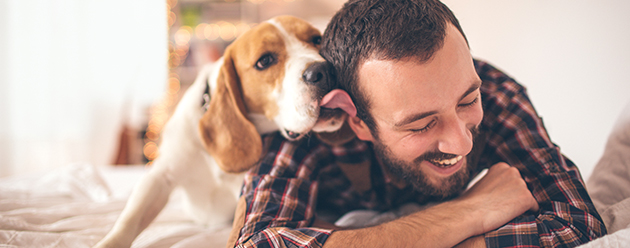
(225, 130)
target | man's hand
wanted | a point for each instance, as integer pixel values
(497, 198)
(500, 196)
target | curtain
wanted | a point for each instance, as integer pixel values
(72, 73)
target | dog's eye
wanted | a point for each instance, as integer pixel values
(317, 40)
(265, 61)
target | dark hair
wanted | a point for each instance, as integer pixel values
(385, 30)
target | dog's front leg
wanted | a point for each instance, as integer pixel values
(146, 201)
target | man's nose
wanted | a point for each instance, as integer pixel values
(456, 137)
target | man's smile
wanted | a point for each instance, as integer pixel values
(445, 167)
(446, 162)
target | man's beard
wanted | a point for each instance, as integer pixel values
(411, 173)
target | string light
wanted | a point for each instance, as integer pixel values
(150, 150)
(242, 28)
(223, 30)
(200, 31)
(160, 112)
(212, 31)
(183, 35)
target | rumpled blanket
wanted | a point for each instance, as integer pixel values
(75, 206)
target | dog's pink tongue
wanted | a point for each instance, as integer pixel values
(339, 99)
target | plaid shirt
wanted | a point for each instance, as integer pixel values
(296, 179)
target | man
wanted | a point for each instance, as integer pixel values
(428, 118)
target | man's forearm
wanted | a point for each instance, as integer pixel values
(475, 241)
(443, 225)
(496, 199)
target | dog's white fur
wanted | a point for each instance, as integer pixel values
(294, 107)
(185, 162)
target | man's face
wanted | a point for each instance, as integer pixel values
(425, 114)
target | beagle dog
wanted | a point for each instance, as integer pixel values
(271, 78)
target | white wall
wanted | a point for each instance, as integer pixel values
(572, 55)
(69, 71)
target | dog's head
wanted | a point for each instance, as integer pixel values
(273, 70)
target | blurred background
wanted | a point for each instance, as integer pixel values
(94, 81)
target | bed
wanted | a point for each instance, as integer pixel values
(76, 205)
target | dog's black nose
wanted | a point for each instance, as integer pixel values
(317, 73)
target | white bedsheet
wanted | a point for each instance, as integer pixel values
(75, 206)
(609, 186)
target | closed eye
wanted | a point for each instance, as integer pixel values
(470, 103)
(425, 128)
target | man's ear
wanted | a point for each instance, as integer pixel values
(360, 128)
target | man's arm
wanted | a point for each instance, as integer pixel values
(516, 135)
(496, 199)
(475, 241)
(279, 197)
(279, 204)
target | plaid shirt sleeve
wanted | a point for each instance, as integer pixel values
(516, 135)
(281, 196)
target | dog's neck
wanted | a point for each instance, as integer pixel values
(205, 99)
